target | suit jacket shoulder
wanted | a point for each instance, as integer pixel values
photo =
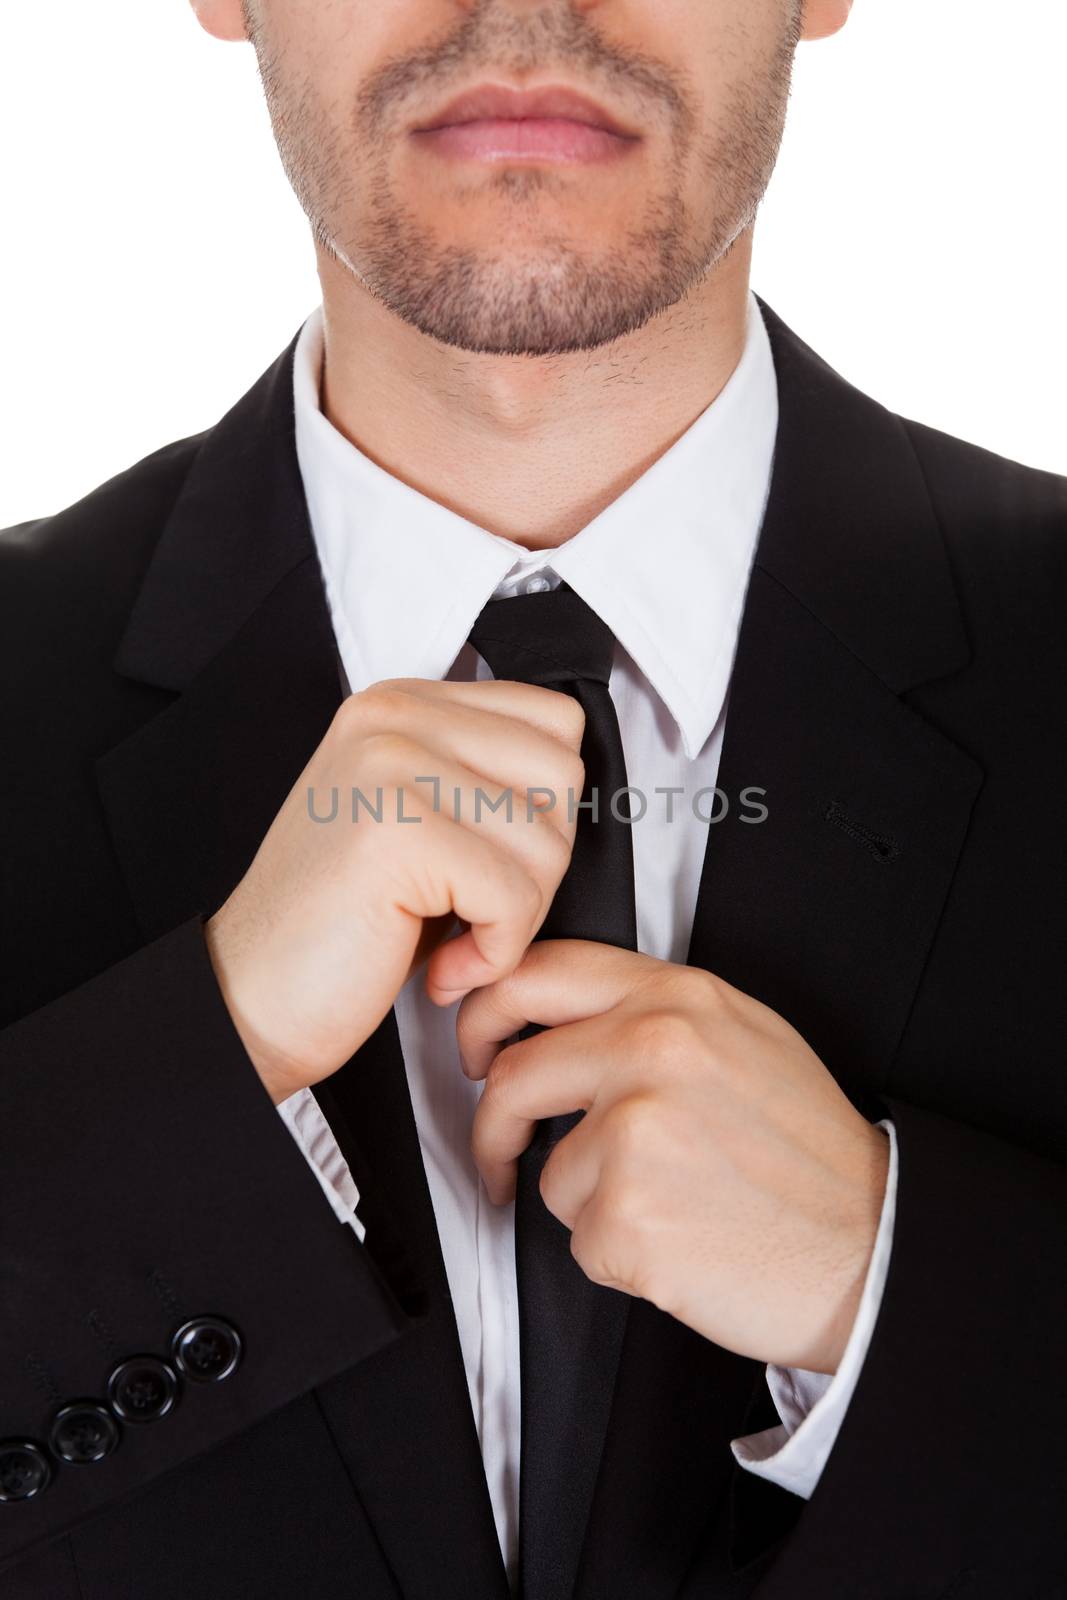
(1005, 525)
(69, 580)
(67, 585)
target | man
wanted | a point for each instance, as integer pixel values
(417, 1182)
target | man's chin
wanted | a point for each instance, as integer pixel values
(521, 328)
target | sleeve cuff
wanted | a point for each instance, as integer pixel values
(812, 1405)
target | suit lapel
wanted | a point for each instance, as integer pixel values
(232, 619)
(825, 911)
(191, 793)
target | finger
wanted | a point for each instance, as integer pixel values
(492, 891)
(558, 981)
(516, 775)
(569, 1177)
(397, 789)
(571, 1174)
(601, 1249)
(516, 770)
(554, 713)
(534, 838)
(549, 1075)
(452, 871)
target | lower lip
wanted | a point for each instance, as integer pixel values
(531, 139)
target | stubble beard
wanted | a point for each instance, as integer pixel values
(542, 295)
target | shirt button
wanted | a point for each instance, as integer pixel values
(207, 1349)
(24, 1470)
(83, 1431)
(536, 585)
(142, 1389)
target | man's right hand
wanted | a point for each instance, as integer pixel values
(332, 917)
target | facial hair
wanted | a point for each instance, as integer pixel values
(542, 294)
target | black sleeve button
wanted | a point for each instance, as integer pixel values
(207, 1349)
(83, 1432)
(24, 1470)
(142, 1389)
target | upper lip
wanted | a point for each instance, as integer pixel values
(497, 100)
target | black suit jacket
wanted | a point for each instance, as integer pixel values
(168, 667)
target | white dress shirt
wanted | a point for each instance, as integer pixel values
(666, 566)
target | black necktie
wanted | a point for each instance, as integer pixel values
(567, 1325)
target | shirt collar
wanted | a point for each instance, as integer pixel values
(665, 565)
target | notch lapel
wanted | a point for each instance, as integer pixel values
(825, 911)
(232, 619)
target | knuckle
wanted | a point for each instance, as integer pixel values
(631, 1125)
(552, 847)
(389, 751)
(351, 714)
(499, 1089)
(526, 895)
(663, 1035)
(704, 988)
(621, 1212)
(481, 1142)
(575, 775)
(495, 1000)
(385, 704)
(551, 1190)
(405, 687)
(587, 1250)
(602, 1239)
(574, 720)
(469, 1023)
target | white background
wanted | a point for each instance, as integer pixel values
(154, 260)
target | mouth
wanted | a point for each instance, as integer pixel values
(494, 122)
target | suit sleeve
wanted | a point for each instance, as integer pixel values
(148, 1181)
(953, 1438)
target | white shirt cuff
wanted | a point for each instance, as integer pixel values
(304, 1119)
(812, 1405)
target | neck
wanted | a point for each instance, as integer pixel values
(529, 448)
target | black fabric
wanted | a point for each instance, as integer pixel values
(168, 667)
(555, 639)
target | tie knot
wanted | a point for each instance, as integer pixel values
(550, 639)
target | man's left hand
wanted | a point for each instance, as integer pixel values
(719, 1171)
